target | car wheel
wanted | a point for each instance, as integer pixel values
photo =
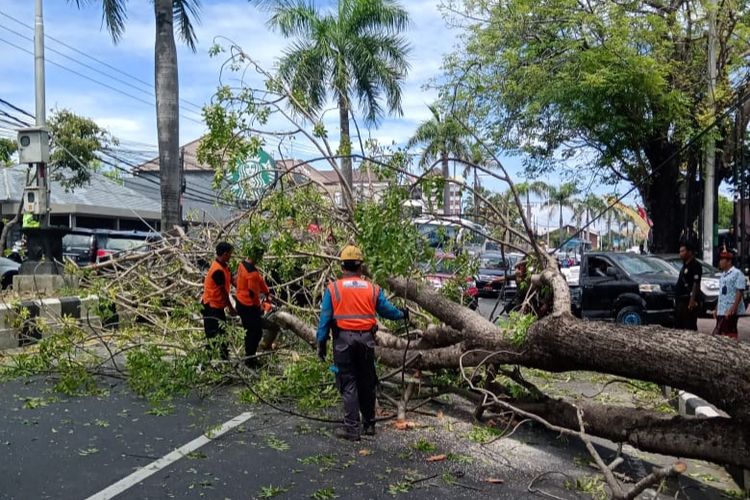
(630, 316)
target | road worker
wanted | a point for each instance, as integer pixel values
(215, 299)
(253, 296)
(349, 309)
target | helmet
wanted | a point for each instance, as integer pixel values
(350, 252)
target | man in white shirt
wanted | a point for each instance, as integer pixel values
(731, 295)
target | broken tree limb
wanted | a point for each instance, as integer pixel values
(716, 369)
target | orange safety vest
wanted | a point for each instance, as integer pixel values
(354, 304)
(250, 285)
(212, 295)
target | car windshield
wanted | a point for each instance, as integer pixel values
(438, 235)
(635, 265)
(665, 266)
(77, 240)
(440, 266)
(124, 244)
(496, 263)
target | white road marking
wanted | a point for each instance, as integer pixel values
(168, 459)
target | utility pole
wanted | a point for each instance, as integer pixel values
(709, 188)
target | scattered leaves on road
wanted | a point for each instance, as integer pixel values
(437, 458)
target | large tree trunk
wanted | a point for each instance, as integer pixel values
(687, 360)
(661, 198)
(345, 149)
(167, 114)
(446, 178)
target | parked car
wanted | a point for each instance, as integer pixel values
(443, 271)
(8, 269)
(626, 288)
(494, 265)
(709, 281)
(91, 246)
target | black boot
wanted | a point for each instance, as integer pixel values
(369, 430)
(344, 433)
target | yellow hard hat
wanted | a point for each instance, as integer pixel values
(350, 252)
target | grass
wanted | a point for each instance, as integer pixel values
(271, 491)
(424, 446)
(324, 494)
(483, 435)
(277, 444)
(326, 462)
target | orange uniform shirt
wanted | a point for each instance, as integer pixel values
(250, 285)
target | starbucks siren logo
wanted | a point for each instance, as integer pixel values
(252, 177)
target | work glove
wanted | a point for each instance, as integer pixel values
(405, 312)
(322, 350)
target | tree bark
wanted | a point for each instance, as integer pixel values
(167, 114)
(713, 368)
(446, 179)
(661, 198)
(345, 149)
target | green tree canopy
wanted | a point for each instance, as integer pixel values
(7, 148)
(618, 87)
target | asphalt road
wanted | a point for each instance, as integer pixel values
(59, 447)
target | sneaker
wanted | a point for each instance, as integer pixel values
(346, 434)
(369, 430)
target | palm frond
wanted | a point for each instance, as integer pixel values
(114, 15)
(377, 16)
(186, 12)
(294, 18)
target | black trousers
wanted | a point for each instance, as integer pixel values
(354, 355)
(213, 324)
(252, 321)
(684, 318)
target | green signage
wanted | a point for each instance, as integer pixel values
(252, 177)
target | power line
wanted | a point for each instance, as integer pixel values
(99, 61)
(103, 84)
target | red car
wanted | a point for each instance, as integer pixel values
(444, 270)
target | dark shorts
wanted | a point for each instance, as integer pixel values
(726, 326)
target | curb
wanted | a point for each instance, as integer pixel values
(50, 310)
(692, 405)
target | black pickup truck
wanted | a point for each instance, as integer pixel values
(627, 288)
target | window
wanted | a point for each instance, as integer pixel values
(338, 199)
(597, 267)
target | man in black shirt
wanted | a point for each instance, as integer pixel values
(688, 289)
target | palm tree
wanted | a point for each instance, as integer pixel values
(356, 51)
(560, 198)
(442, 136)
(589, 207)
(537, 188)
(167, 13)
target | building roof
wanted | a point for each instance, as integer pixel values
(101, 197)
(191, 160)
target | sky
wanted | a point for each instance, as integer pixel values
(116, 87)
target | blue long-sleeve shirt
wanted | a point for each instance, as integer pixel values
(383, 307)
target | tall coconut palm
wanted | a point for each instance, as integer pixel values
(526, 189)
(353, 51)
(167, 13)
(589, 207)
(560, 198)
(442, 136)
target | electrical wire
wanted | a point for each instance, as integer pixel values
(103, 84)
(88, 56)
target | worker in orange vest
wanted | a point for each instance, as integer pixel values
(215, 299)
(349, 309)
(253, 297)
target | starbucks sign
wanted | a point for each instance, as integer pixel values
(252, 177)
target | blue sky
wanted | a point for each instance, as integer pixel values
(131, 118)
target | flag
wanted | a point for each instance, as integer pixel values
(644, 216)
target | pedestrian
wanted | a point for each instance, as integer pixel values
(688, 287)
(349, 309)
(252, 294)
(215, 299)
(731, 295)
